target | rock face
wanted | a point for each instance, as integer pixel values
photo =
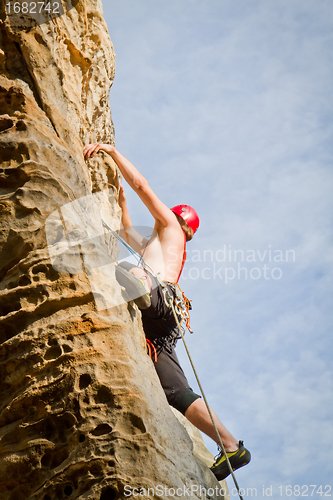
(82, 413)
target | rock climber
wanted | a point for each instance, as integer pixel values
(166, 255)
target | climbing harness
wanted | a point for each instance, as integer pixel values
(180, 307)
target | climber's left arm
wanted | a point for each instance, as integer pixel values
(132, 236)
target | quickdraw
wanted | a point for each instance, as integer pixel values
(182, 304)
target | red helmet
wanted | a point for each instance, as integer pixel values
(188, 214)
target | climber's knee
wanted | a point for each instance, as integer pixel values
(184, 400)
(140, 273)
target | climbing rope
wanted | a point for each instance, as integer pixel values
(184, 317)
(121, 240)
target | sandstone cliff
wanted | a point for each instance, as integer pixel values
(82, 413)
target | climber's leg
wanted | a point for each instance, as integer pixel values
(175, 385)
(198, 415)
(140, 273)
(238, 455)
(136, 282)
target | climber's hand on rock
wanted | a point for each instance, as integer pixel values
(90, 150)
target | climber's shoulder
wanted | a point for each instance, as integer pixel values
(161, 213)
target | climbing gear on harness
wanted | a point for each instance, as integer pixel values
(237, 459)
(134, 286)
(168, 341)
(182, 303)
(188, 214)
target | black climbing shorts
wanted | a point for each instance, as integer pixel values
(161, 329)
(175, 385)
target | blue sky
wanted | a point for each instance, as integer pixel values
(227, 106)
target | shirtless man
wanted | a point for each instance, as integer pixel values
(166, 255)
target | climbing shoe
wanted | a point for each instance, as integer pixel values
(237, 459)
(134, 287)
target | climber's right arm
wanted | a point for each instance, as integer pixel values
(128, 170)
(161, 213)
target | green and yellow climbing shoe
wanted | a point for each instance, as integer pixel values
(135, 287)
(237, 459)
